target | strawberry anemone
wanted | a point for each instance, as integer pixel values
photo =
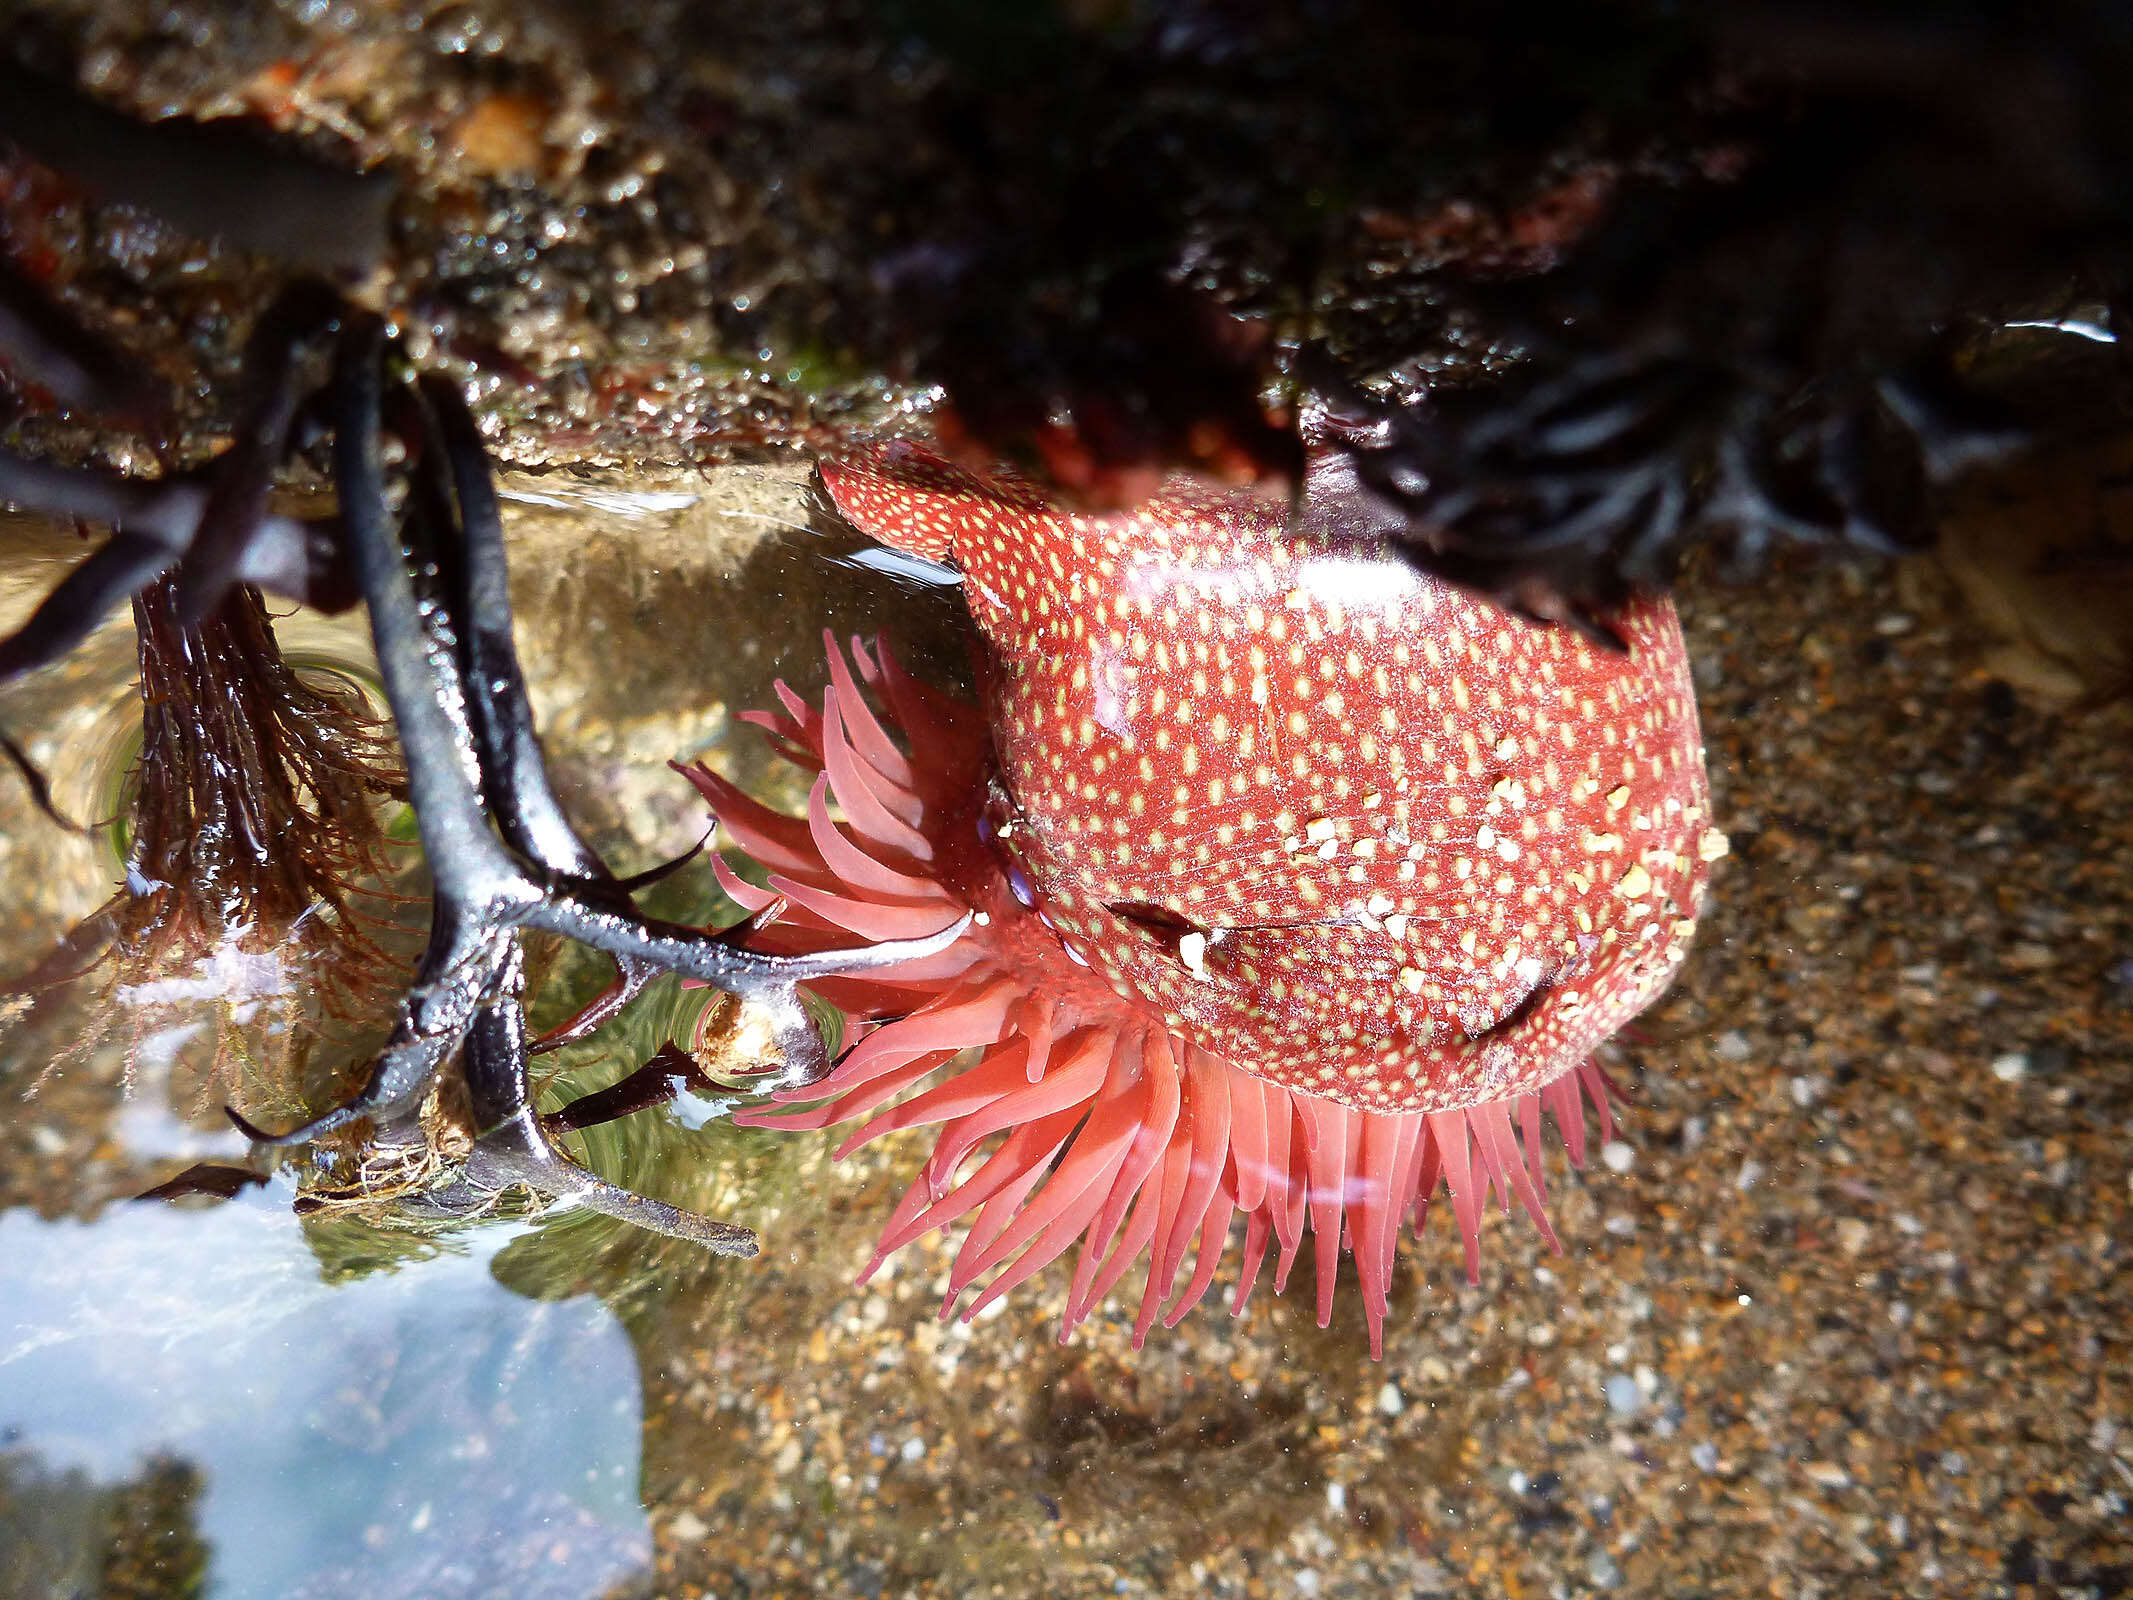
(1069, 1111)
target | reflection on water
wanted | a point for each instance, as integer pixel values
(417, 1431)
(66, 1533)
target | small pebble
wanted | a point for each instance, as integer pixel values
(1624, 1398)
(501, 136)
(1618, 1156)
(1390, 1401)
(1705, 1455)
(2012, 1067)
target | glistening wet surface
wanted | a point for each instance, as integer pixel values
(1843, 1308)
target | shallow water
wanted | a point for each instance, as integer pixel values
(420, 1424)
(1843, 1311)
(354, 1393)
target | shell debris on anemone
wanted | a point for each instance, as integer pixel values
(1303, 881)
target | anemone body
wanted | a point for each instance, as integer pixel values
(1304, 885)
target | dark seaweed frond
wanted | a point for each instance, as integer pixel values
(257, 800)
(1775, 343)
(257, 858)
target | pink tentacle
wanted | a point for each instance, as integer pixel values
(1373, 1213)
(956, 1020)
(1035, 1021)
(1169, 1185)
(1208, 1108)
(1163, 1093)
(910, 1206)
(1491, 1122)
(1065, 1205)
(777, 841)
(882, 1086)
(1289, 1220)
(968, 1091)
(993, 1219)
(849, 781)
(853, 865)
(1529, 1126)
(740, 891)
(1214, 1239)
(1132, 1246)
(883, 993)
(801, 713)
(796, 733)
(1021, 1157)
(1142, 1156)
(870, 919)
(1258, 1228)
(1400, 1189)
(1330, 1166)
(931, 972)
(869, 739)
(1000, 1213)
(1281, 1169)
(1604, 1091)
(1450, 1128)
(1248, 1142)
(1073, 1083)
(947, 749)
(1563, 1099)
(1429, 1170)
